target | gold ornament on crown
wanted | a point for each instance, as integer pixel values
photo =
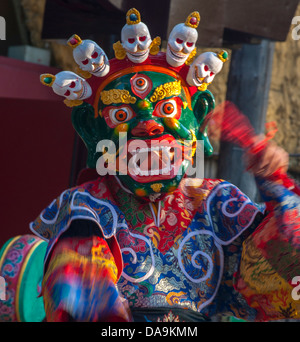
(120, 52)
(166, 90)
(154, 47)
(221, 56)
(73, 38)
(72, 103)
(116, 96)
(191, 57)
(133, 22)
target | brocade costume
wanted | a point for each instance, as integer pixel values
(201, 250)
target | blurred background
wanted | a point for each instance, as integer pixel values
(40, 154)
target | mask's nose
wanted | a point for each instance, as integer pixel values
(147, 128)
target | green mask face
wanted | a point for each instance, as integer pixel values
(146, 125)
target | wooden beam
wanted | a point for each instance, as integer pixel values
(260, 18)
(263, 18)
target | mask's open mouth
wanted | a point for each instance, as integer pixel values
(153, 159)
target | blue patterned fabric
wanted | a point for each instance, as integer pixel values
(195, 273)
(73, 205)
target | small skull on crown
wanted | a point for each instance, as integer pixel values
(136, 42)
(182, 41)
(89, 56)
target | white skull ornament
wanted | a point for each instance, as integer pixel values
(182, 40)
(89, 56)
(205, 67)
(68, 85)
(135, 37)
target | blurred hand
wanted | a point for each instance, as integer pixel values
(265, 163)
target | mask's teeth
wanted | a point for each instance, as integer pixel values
(162, 154)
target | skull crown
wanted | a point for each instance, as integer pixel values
(135, 47)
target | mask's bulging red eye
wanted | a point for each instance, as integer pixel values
(206, 68)
(115, 116)
(72, 84)
(212, 73)
(95, 54)
(121, 115)
(142, 39)
(67, 93)
(179, 41)
(85, 62)
(168, 108)
(131, 40)
(189, 44)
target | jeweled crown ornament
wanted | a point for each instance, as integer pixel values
(133, 17)
(193, 20)
(223, 55)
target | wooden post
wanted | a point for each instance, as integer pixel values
(248, 88)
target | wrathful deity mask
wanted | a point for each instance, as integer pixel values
(151, 122)
(140, 117)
